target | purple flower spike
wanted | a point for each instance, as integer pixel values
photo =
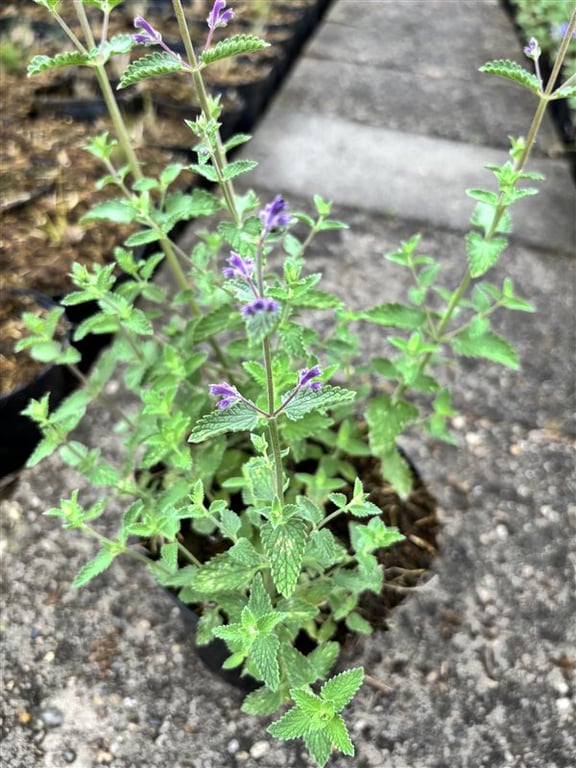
(260, 305)
(239, 267)
(273, 215)
(532, 50)
(306, 376)
(228, 394)
(218, 16)
(148, 36)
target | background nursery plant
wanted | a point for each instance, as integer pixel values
(251, 479)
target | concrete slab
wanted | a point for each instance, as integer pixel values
(413, 66)
(479, 110)
(420, 36)
(404, 175)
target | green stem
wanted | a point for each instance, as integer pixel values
(117, 121)
(62, 24)
(219, 156)
(108, 94)
(188, 555)
(110, 544)
(501, 206)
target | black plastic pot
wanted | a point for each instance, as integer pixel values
(420, 505)
(215, 653)
(19, 434)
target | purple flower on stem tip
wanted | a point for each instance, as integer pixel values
(305, 378)
(148, 36)
(272, 215)
(229, 394)
(260, 305)
(562, 29)
(532, 50)
(239, 267)
(218, 17)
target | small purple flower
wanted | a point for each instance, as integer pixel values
(239, 267)
(306, 376)
(218, 16)
(260, 305)
(532, 50)
(562, 29)
(148, 36)
(273, 215)
(229, 394)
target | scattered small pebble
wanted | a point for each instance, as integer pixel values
(39, 737)
(233, 746)
(502, 531)
(69, 755)
(259, 749)
(563, 705)
(52, 717)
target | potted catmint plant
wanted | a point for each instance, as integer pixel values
(262, 482)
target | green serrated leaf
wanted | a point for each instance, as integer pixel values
(229, 523)
(244, 553)
(325, 549)
(233, 46)
(153, 65)
(489, 346)
(564, 92)
(237, 418)
(386, 421)
(484, 196)
(206, 171)
(342, 688)
(209, 620)
(221, 574)
(238, 167)
(395, 315)
(306, 700)
(169, 555)
(264, 654)
(307, 400)
(260, 602)
(284, 546)
(319, 746)
(93, 568)
(337, 732)
(292, 725)
(323, 658)
(220, 319)
(262, 701)
(118, 211)
(143, 238)
(511, 70)
(46, 447)
(43, 63)
(397, 471)
(483, 254)
(356, 623)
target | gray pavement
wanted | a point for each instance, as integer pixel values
(481, 662)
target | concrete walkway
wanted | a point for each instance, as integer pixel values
(387, 115)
